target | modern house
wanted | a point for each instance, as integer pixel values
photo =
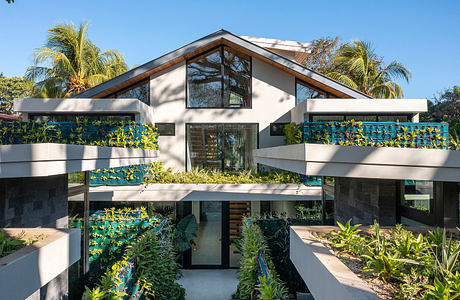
(218, 102)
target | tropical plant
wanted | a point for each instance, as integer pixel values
(185, 233)
(9, 244)
(347, 239)
(357, 66)
(70, 63)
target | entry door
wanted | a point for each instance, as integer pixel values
(211, 249)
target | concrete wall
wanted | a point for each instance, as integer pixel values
(273, 96)
(33, 202)
(366, 200)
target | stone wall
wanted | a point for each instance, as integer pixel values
(34, 202)
(37, 202)
(366, 200)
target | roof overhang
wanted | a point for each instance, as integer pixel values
(361, 106)
(363, 162)
(208, 42)
(103, 106)
(47, 159)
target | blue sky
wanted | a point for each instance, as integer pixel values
(423, 35)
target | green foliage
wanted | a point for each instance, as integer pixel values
(156, 270)
(358, 66)
(251, 285)
(82, 132)
(70, 63)
(156, 265)
(9, 245)
(157, 174)
(276, 233)
(185, 233)
(292, 134)
(424, 266)
(376, 134)
(10, 88)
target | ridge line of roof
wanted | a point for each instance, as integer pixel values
(152, 64)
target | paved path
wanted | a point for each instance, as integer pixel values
(209, 284)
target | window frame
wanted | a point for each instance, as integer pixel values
(310, 86)
(166, 123)
(345, 116)
(223, 130)
(272, 133)
(222, 58)
(132, 86)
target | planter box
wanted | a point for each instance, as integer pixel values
(29, 268)
(325, 275)
(205, 192)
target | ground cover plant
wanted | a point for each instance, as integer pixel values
(157, 174)
(418, 266)
(257, 276)
(10, 244)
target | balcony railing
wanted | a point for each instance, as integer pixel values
(97, 133)
(378, 134)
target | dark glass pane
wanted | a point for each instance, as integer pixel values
(239, 142)
(204, 149)
(327, 118)
(204, 80)
(393, 119)
(165, 128)
(363, 118)
(418, 194)
(305, 92)
(140, 91)
(237, 79)
(277, 129)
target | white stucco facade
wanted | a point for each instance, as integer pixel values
(273, 96)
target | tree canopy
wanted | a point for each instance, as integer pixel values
(10, 88)
(70, 63)
(356, 64)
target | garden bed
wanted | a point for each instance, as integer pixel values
(49, 253)
(384, 263)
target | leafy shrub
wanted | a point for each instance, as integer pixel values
(157, 174)
(424, 266)
(292, 134)
(252, 285)
(8, 244)
(156, 270)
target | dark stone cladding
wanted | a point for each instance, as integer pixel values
(33, 202)
(366, 200)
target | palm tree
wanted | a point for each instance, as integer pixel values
(69, 63)
(359, 67)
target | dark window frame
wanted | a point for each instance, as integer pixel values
(272, 131)
(165, 123)
(218, 123)
(81, 115)
(132, 86)
(222, 46)
(310, 86)
(310, 117)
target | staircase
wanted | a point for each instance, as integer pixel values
(237, 210)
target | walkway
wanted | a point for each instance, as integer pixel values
(209, 284)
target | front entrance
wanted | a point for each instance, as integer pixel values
(211, 249)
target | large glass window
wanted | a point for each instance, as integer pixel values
(225, 147)
(220, 78)
(139, 91)
(418, 194)
(89, 117)
(304, 91)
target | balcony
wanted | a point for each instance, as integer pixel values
(378, 134)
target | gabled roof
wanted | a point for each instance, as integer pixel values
(207, 42)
